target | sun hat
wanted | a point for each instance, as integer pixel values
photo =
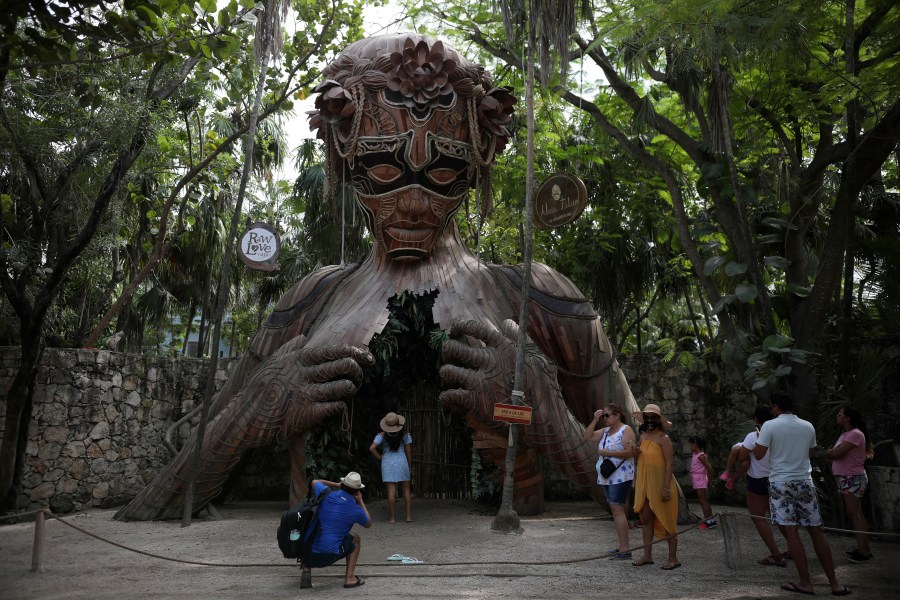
(392, 422)
(651, 409)
(353, 480)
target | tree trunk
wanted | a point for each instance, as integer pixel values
(18, 416)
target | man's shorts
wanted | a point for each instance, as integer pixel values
(852, 485)
(758, 485)
(794, 503)
(318, 560)
(617, 493)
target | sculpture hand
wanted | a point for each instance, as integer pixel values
(304, 385)
(477, 377)
(479, 371)
(289, 392)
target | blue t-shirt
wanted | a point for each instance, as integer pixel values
(337, 515)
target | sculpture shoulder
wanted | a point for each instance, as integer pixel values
(307, 294)
(550, 289)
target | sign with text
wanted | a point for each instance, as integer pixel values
(259, 247)
(559, 201)
(512, 413)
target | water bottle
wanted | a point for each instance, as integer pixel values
(295, 535)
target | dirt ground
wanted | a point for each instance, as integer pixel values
(463, 559)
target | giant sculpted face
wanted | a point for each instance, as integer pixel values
(410, 122)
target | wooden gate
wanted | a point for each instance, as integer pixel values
(441, 448)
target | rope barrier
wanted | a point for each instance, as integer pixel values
(23, 514)
(832, 529)
(292, 564)
(431, 564)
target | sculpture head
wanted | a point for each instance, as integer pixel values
(413, 124)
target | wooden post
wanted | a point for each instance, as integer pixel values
(37, 549)
(732, 540)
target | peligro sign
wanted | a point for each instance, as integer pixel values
(259, 247)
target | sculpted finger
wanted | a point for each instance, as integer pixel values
(458, 377)
(307, 414)
(344, 368)
(333, 390)
(458, 353)
(479, 330)
(510, 330)
(324, 354)
(462, 399)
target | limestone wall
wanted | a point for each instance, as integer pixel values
(98, 421)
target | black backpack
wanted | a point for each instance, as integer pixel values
(300, 527)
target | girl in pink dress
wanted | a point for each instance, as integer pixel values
(701, 472)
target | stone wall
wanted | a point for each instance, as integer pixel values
(99, 418)
(98, 421)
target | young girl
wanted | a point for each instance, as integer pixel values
(395, 457)
(701, 471)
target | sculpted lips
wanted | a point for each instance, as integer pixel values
(409, 232)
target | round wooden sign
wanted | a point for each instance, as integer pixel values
(259, 247)
(559, 201)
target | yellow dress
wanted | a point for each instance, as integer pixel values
(648, 486)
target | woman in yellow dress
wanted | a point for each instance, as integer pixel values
(654, 486)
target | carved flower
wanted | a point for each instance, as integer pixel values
(333, 104)
(420, 75)
(495, 114)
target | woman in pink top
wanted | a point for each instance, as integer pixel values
(848, 466)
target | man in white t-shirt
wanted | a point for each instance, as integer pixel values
(789, 442)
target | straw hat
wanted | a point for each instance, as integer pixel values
(353, 480)
(392, 422)
(651, 409)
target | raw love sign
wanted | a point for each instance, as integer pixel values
(259, 247)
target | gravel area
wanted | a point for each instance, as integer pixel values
(463, 559)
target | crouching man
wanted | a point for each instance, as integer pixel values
(340, 510)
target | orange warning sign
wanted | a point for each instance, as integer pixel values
(512, 413)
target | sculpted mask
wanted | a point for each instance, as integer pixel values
(412, 122)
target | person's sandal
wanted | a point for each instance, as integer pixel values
(306, 580)
(670, 565)
(771, 561)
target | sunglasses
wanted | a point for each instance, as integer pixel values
(651, 417)
(607, 415)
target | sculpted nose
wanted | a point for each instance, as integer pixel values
(412, 202)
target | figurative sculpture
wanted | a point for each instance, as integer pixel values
(414, 126)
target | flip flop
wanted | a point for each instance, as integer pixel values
(412, 561)
(641, 562)
(844, 591)
(792, 587)
(669, 566)
(359, 581)
(771, 561)
(396, 557)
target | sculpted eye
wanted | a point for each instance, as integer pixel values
(384, 173)
(442, 176)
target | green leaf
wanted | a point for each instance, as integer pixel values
(776, 341)
(723, 301)
(798, 290)
(779, 262)
(745, 292)
(712, 264)
(777, 223)
(733, 268)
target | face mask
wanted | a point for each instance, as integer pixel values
(652, 422)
